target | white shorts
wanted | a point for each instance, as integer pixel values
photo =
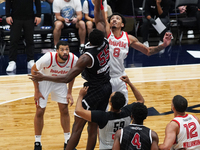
(120, 86)
(58, 92)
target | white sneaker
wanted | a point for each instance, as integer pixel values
(11, 66)
(163, 50)
(146, 43)
(30, 64)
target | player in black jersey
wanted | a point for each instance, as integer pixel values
(94, 67)
(109, 122)
(136, 136)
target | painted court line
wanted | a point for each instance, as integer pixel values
(161, 80)
(28, 97)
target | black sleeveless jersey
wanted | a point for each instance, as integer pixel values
(98, 72)
(135, 137)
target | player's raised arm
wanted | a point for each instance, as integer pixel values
(99, 17)
(137, 94)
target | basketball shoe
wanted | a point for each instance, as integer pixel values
(11, 66)
(65, 145)
(30, 64)
(38, 146)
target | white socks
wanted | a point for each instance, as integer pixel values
(38, 138)
(67, 136)
(82, 45)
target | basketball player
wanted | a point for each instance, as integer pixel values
(95, 69)
(183, 132)
(109, 122)
(53, 64)
(119, 43)
(136, 135)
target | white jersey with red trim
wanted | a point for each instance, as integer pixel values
(118, 50)
(189, 134)
(49, 65)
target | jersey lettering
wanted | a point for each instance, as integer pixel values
(116, 52)
(136, 141)
(118, 125)
(191, 132)
(103, 56)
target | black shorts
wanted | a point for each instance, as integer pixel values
(97, 96)
(70, 26)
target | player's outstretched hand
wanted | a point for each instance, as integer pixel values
(125, 79)
(83, 91)
(167, 39)
(36, 77)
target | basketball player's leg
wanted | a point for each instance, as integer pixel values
(39, 120)
(77, 129)
(40, 109)
(65, 120)
(92, 135)
(64, 117)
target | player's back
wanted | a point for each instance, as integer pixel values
(134, 137)
(189, 134)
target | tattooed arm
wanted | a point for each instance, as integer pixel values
(134, 43)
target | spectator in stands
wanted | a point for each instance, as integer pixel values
(192, 11)
(88, 10)
(20, 15)
(155, 8)
(68, 14)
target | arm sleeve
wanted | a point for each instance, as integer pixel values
(8, 8)
(128, 108)
(38, 8)
(56, 8)
(85, 7)
(78, 6)
(44, 61)
(99, 117)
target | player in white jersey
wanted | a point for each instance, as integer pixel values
(109, 122)
(119, 42)
(53, 64)
(183, 132)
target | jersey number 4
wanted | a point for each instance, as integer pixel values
(136, 141)
(191, 130)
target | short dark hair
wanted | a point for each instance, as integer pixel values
(96, 37)
(123, 18)
(62, 43)
(139, 112)
(180, 103)
(118, 100)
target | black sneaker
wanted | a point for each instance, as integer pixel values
(38, 146)
(65, 145)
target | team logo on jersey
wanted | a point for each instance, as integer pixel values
(58, 72)
(120, 43)
(67, 12)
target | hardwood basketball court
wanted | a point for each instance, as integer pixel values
(158, 85)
